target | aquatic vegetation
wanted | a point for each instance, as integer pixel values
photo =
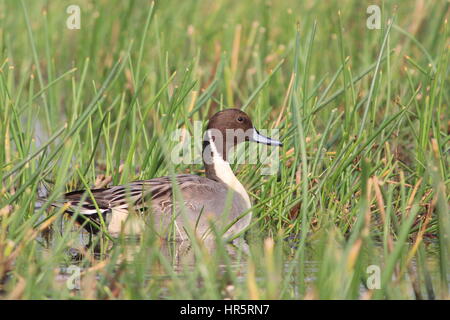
(356, 208)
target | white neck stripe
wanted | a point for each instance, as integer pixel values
(225, 174)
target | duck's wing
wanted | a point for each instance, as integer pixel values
(137, 195)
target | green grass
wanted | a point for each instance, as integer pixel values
(363, 115)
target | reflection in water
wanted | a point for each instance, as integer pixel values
(165, 262)
(182, 255)
(182, 259)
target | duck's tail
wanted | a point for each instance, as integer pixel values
(42, 196)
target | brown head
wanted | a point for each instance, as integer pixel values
(227, 129)
(231, 119)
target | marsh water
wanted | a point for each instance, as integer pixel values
(181, 259)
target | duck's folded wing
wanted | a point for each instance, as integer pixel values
(137, 195)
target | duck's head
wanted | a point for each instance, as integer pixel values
(230, 127)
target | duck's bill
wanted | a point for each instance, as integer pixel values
(257, 137)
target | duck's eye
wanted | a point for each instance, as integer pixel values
(240, 119)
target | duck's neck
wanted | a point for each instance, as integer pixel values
(218, 168)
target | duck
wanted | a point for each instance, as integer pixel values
(180, 206)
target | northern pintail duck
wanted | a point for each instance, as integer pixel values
(217, 198)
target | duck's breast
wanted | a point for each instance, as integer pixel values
(206, 205)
